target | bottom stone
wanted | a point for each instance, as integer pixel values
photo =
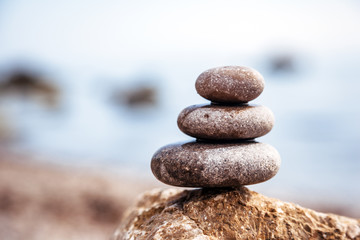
(206, 164)
(211, 214)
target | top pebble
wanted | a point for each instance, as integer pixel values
(230, 84)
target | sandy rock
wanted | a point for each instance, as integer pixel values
(228, 214)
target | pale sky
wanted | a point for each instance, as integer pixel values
(73, 33)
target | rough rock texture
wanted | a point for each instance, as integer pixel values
(217, 122)
(230, 84)
(228, 214)
(206, 164)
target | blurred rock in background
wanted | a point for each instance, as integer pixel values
(283, 63)
(139, 95)
(29, 86)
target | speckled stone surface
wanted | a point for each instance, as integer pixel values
(230, 84)
(204, 164)
(217, 122)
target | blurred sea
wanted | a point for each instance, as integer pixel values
(315, 104)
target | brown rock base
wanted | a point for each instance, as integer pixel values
(228, 214)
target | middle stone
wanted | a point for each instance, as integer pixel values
(218, 122)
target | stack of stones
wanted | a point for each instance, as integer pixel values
(224, 153)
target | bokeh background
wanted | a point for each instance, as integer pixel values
(100, 83)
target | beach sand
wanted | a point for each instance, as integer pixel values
(44, 201)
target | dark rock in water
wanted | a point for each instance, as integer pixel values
(219, 122)
(211, 214)
(230, 84)
(203, 164)
(140, 96)
(26, 84)
(283, 63)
